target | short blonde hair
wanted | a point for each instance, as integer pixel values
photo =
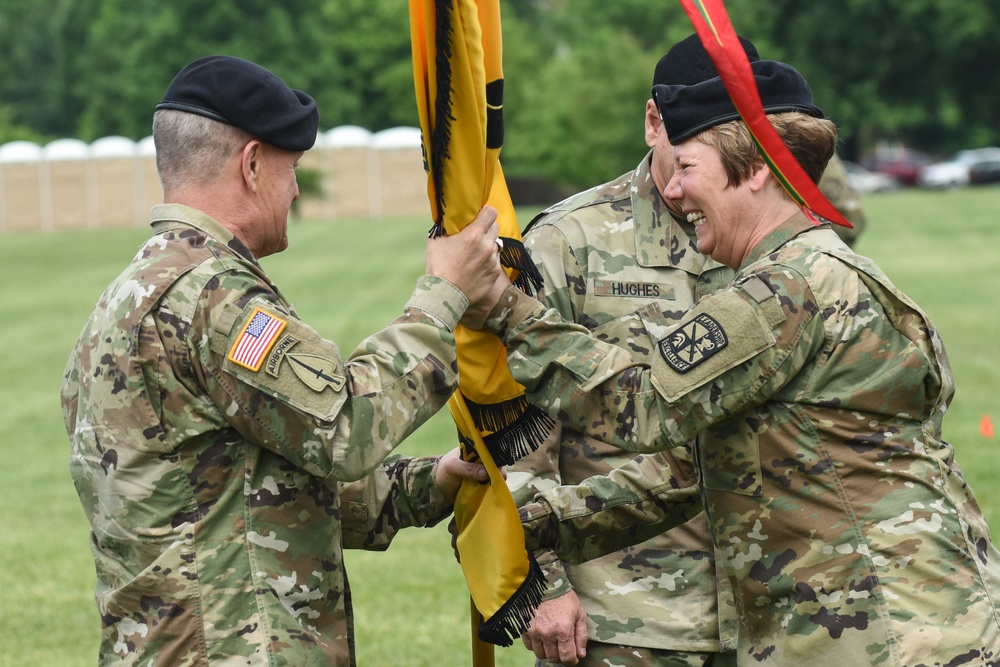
(811, 140)
(192, 148)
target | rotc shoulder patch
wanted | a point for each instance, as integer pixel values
(693, 343)
(256, 339)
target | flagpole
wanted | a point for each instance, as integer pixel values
(482, 652)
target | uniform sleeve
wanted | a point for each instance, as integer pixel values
(732, 351)
(631, 504)
(565, 280)
(399, 493)
(563, 290)
(284, 387)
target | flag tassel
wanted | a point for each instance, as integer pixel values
(513, 255)
(514, 617)
(520, 438)
(440, 140)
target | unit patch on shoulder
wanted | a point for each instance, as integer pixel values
(693, 343)
(256, 339)
(316, 372)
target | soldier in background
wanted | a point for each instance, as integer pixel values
(836, 186)
(816, 390)
(622, 261)
(224, 452)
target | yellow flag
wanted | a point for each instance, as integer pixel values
(458, 78)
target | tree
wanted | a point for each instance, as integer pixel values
(906, 70)
(574, 106)
(577, 71)
(137, 46)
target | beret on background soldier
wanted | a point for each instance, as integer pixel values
(241, 93)
(687, 110)
(687, 63)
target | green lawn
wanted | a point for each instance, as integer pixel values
(348, 279)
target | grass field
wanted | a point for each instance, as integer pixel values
(348, 279)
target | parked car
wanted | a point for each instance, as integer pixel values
(903, 165)
(864, 181)
(986, 171)
(954, 173)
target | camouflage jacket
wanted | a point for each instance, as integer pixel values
(225, 454)
(846, 528)
(614, 258)
(836, 186)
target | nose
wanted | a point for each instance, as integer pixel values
(673, 189)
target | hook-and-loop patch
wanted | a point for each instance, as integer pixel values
(693, 343)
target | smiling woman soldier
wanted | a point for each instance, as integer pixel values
(816, 390)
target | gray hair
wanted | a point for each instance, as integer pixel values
(191, 148)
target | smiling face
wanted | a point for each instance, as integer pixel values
(722, 213)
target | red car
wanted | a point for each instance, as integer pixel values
(903, 166)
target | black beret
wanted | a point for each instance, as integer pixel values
(688, 110)
(241, 93)
(687, 62)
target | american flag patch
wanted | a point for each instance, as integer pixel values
(256, 339)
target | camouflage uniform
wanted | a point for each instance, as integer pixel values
(837, 188)
(845, 525)
(614, 258)
(220, 496)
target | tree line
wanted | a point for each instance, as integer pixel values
(921, 73)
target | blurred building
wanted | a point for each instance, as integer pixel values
(68, 184)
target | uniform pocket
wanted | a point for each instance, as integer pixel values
(729, 458)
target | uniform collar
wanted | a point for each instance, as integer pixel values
(662, 239)
(166, 216)
(797, 224)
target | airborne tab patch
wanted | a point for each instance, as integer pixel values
(693, 343)
(256, 339)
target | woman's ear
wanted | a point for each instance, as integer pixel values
(759, 175)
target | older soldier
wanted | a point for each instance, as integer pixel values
(818, 390)
(223, 451)
(622, 261)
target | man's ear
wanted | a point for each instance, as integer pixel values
(251, 162)
(653, 123)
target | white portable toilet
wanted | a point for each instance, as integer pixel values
(69, 182)
(113, 160)
(20, 187)
(348, 171)
(401, 179)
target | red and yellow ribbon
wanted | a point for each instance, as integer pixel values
(717, 35)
